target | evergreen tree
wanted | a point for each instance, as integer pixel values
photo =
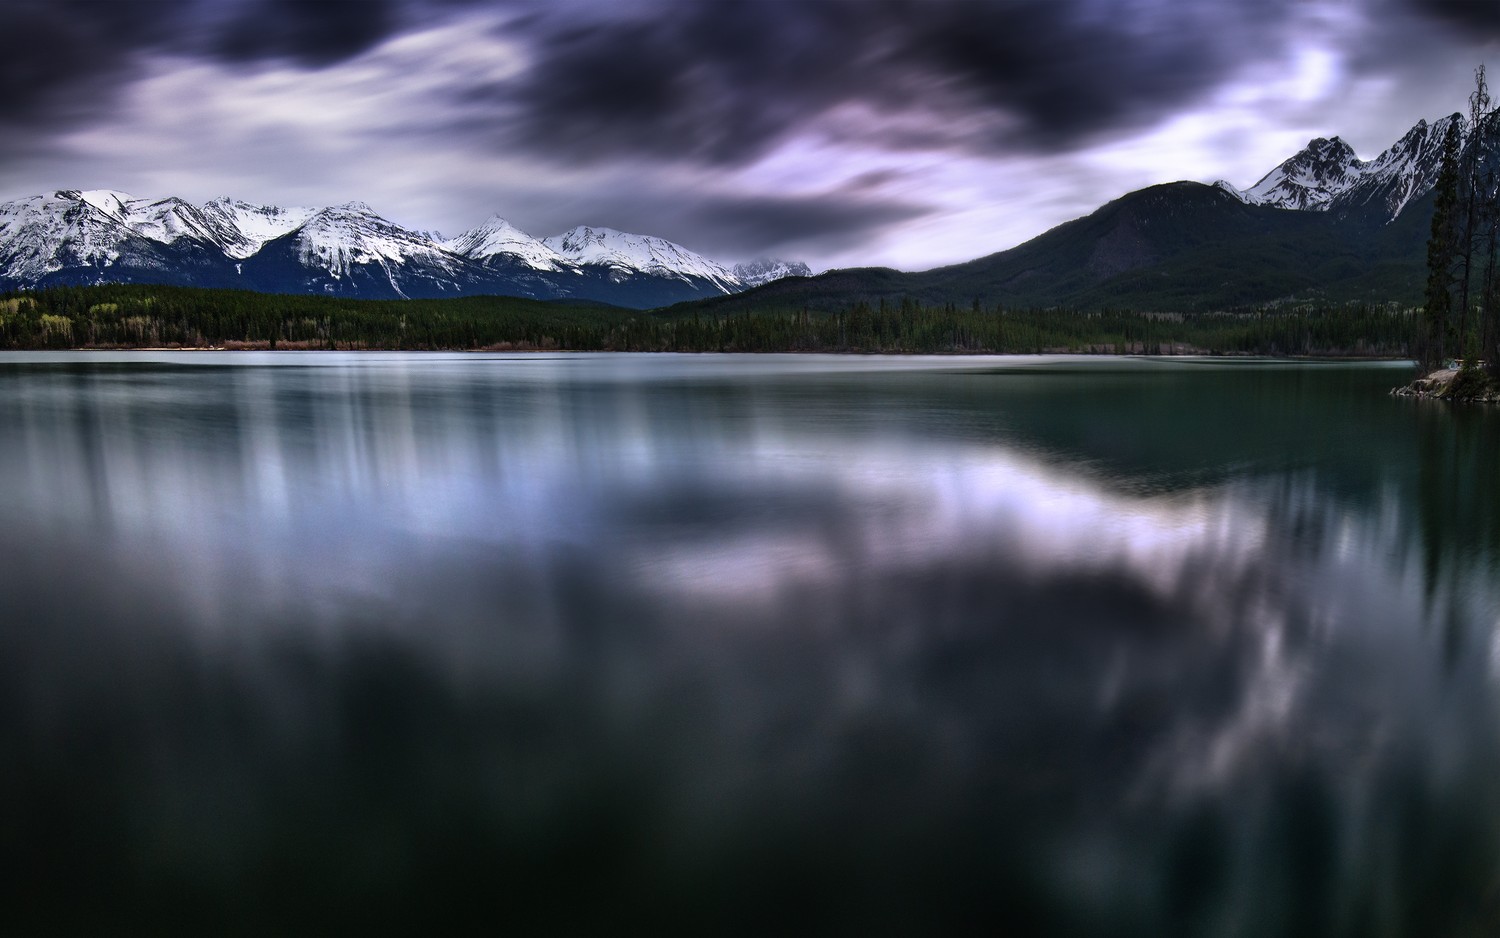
(1474, 209)
(1485, 140)
(1442, 246)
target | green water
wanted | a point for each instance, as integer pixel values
(747, 644)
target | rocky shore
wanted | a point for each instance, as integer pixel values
(1453, 384)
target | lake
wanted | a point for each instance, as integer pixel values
(587, 643)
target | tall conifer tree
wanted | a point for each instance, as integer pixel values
(1441, 249)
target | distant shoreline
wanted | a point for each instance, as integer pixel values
(1081, 353)
(159, 318)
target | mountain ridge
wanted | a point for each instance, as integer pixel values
(1328, 176)
(75, 236)
(1322, 226)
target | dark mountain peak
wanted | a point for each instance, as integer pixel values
(1173, 196)
(1328, 148)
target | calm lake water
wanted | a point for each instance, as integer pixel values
(760, 644)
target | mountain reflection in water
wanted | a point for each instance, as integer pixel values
(742, 644)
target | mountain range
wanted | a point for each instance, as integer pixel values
(1323, 226)
(1327, 176)
(103, 236)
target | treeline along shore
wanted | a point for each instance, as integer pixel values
(125, 316)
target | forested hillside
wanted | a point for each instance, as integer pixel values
(137, 316)
(1181, 247)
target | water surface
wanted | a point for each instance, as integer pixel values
(719, 643)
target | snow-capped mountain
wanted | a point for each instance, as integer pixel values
(45, 233)
(99, 236)
(628, 254)
(244, 228)
(167, 220)
(342, 238)
(1327, 175)
(1310, 179)
(1405, 172)
(498, 238)
(349, 250)
(766, 269)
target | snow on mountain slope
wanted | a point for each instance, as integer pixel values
(499, 238)
(1403, 173)
(244, 228)
(102, 235)
(352, 234)
(112, 203)
(1327, 175)
(69, 228)
(1311, 179)
(45, 233)
(343, 237)
(627, 253)
(168, 220)
(1229, 187)
(766, 269)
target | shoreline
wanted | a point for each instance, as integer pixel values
(1082, 353)
(1453, 385)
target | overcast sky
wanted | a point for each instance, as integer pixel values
(909, 133)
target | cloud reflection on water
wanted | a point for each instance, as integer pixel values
(758, 640)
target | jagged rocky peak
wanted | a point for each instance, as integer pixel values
(1331, 149)
(763, 270)
(1405, 172)
(1422, 144)
(1311, 179)
(1327, 175)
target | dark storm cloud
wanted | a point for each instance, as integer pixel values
(652, 115)
(1478, 19)
(724, 82)
(307, 32)
(718, 83)
(822, 223)
(64, 58)
(726, 225)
